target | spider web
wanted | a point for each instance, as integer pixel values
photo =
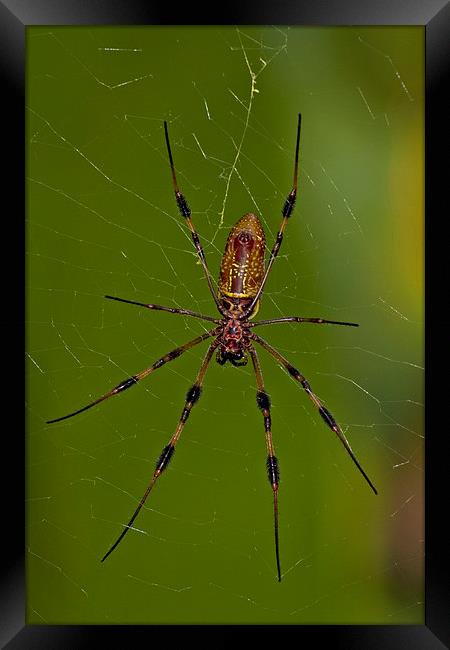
(102, 220)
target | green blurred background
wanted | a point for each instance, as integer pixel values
(101, 219)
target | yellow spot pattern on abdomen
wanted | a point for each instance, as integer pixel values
(242, 267)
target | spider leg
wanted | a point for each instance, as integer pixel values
(286, 212)
(172, 310)
(299, 319)
(131, 381)
(185, 212)
(192, 396)
(263, 401)
(324, 412)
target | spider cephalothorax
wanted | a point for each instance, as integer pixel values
(234, 339)
(242, 278)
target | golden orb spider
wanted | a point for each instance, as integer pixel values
(242, 278)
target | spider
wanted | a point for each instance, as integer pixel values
(242, 278)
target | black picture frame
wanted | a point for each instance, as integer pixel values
(15, 16)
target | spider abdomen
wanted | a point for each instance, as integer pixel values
(242, 267)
